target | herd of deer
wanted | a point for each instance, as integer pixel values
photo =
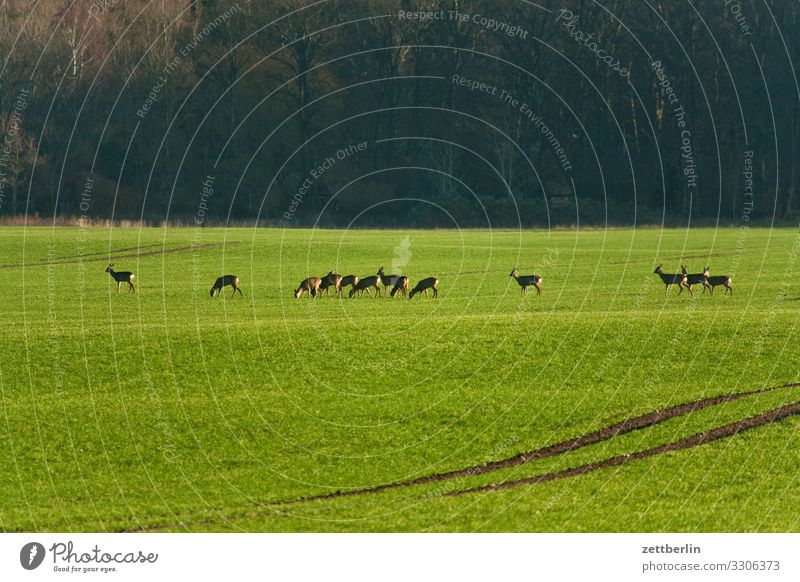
(398, 284)
(686, 280)
(393, 285)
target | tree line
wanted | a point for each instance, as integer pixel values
(389, 113)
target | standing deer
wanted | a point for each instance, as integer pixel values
(366, 284)
(389, 281)
(310, 285)
(715, 281)
(400, 286)
(670, 279)
(224, 281)
(424, 285)
(122, 277)
(348, 281)
(331, 280)
(526, 281)
(693, 279)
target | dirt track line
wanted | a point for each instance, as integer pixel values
(720, 432)
(116, 257)
(108, 253)
(603, 434)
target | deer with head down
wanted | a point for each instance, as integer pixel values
(423, 286)
(348, 281)
(310, 286)
(400, 286)
(365, 284)
(331, 280)
(224, 281)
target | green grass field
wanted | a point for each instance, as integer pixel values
(170, 411)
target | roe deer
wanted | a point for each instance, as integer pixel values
(348, 281)
(224, 281)
(389, 281)
(670, 279)
(366, 284)
(122, 277)
(331, 280)
(400, 286)
(424, 285)
(693, 279)
(526, 281)
(310, 285)
(716, 281)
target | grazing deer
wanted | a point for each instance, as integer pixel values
(389, 281)
(400, 286)
(122, 277)
(331, 280)
(716, 281)
(224, 281)
(366, 284)
(424, 285)
(526, 281)
(693, 279)
(348, 281)
(670, 279)
(310, 285)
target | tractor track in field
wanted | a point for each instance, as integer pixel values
(110, 253)
(629, 425)
(701, 438)
(626, 426)
(92, 258)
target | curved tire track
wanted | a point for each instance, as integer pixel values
(584, 440)
(111, 257)
(629, 425)
(701, 438)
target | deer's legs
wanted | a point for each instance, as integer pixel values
(118, 284)
(538, 290)
(131, 288)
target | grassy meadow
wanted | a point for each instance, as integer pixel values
(167, 410)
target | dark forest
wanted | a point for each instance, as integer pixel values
(398, 113)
